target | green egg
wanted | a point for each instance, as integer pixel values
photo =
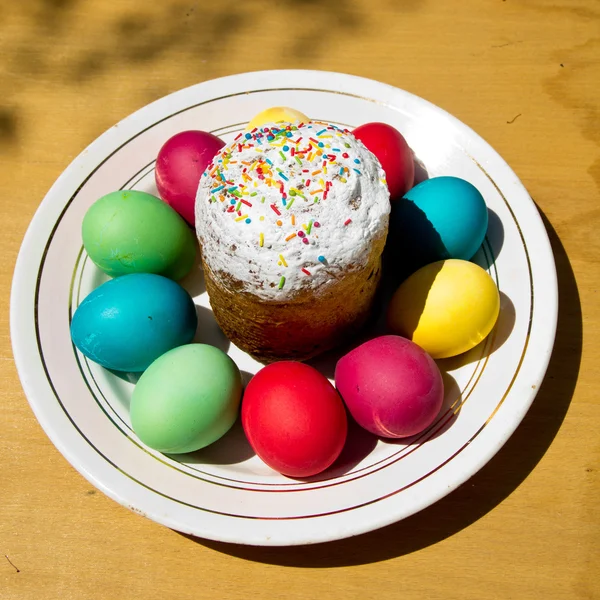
(186, 399)
(134, 232)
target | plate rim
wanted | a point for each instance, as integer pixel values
(22, 268)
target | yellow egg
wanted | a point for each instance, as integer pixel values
(276, 115)
(446, 307)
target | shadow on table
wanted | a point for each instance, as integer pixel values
(485, 490)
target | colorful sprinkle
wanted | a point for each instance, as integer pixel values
(313, 157)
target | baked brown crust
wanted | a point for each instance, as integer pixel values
(301, 327)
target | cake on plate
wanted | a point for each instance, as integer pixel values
(292, 221)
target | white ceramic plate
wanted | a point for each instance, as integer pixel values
(225, 492)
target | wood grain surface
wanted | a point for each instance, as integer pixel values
(525, 74)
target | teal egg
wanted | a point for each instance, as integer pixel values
(439, 219)
(187, 399)
(128, 322)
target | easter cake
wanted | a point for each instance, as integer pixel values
(292, 221)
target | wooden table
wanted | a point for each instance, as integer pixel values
(525, 75)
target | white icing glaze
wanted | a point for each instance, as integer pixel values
(339, 226)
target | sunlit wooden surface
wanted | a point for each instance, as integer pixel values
(526, 76)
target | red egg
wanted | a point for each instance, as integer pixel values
(396, 158)
(391, 386)
(294, 419)
(179, 166)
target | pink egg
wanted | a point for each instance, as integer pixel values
(179, 166)
(294, 419)
(391, 386)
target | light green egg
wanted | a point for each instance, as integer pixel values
(186, 399)
(134, 232)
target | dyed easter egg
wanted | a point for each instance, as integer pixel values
(128, 322)
(447, 307)
(179, 166)
(392, 151)
(391, 386)
(186, 399)
(277, 114)
(134, 232)
(442, 217)
(294, 419)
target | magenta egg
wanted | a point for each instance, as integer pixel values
(179, 166)
(391, 386)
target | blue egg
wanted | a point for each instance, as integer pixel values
(441, 218)
(128, 322)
